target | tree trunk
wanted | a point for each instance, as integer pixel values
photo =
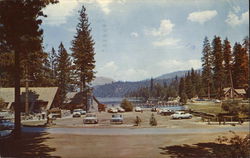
(17, 129)
(208, 90)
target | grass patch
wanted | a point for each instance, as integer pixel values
(207, 107)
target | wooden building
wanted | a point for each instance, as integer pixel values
(40, 98)
(230, 93)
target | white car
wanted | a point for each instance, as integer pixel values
(120, 109)
(76, 114)
(138, 109)
(117, 119)
(81, 111)
(112, 110)
(90, 119)
(181, 115)
(166, 112)
(217, 101)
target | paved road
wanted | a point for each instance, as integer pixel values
(132, 131)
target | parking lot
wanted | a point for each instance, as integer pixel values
(128, 121)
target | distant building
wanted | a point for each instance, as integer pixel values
(40, 98)
(230, 93)
(75, 100)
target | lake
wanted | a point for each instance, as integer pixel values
(115, 101)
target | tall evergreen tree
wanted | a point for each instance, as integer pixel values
(227, 62)
(207, 66)
(83, 53)
(182, 90)
(240, 66)
(218, 67)
(63, 72)
(20, 33)
(53, 62)
(190, 90)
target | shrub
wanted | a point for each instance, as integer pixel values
(233, 147)
(126, 105)
(2, 105)
(152, 121)
(235, 107)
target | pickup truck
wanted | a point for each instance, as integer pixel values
(181, 115)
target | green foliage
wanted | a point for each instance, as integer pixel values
(233, 147)
(63, 72)
(217, 64)
(228, 58)
(207, 66)
(152, 120)
(126, 105)
(240, 66)
(235, 107)
(83, 54)
(137, 121)
(2, 105)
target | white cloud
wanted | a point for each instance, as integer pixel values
(134, 74)
(167, 42)
(109, 67)
(58, 13)
(234, 20)
(170, 65)
(104, 5)
(112, 70)
(134, 34)
(236, 9)
(202, 17)
(165, 28)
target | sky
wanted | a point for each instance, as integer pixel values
(140, 39)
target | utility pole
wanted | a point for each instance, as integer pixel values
(26, 90)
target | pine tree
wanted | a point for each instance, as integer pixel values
(20, 33)
(53, 62)
(63, 72)
(190, 90)
(182, 91)
(218, 68)
(207, 66)
(83, 53)
(227, 62)
(240, 66)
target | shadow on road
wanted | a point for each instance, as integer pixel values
(29, 145)
(200, 150)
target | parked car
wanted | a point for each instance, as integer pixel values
(217, 101)
(117, 119)
(112, 110)
(138, 109)
(76, 114)
(181, 115)
(82, 112)
(120, 109)
(6, 124)
(166, 112)
(90, 119)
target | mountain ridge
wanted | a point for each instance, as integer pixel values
(122, 88)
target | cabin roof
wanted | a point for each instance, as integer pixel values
(46, 94)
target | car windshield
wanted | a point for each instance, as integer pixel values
(116, 116)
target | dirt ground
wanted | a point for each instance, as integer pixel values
(103, 146)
